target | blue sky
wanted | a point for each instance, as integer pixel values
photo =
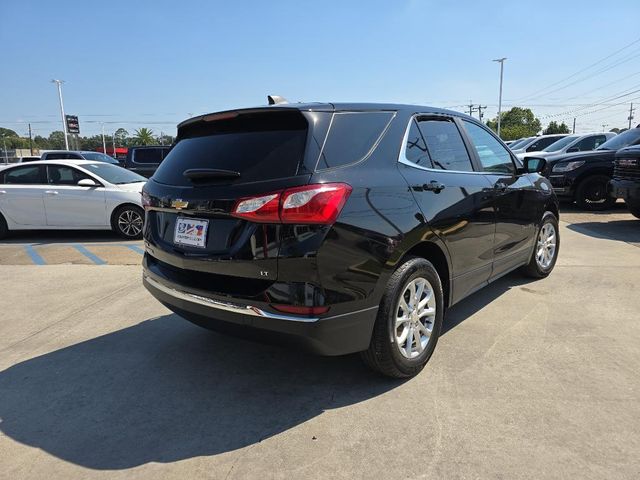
(154, 63)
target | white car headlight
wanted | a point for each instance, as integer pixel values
(567, 167)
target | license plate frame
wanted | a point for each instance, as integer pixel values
(191, 232)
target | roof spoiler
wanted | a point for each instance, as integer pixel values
(276, 99)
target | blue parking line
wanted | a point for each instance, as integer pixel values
(94, 258)
(35, 256)
(135, 248)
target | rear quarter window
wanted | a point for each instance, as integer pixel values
(352, 137)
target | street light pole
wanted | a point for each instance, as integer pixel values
(64, 123)
(104, 145)
(501, 61)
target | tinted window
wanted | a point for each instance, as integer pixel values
(560, 144)
(62, 175)
(517, 143)
(351, 137)
(493, 156)
(260, 146)
(630, 137)
(445, 145)
(416, 148)
(61, 156)
(542, 143)
(28, 175)
(147, 155)
(100, 157)
(113, 173)
(591, 142)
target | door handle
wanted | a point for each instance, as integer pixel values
(501, 186)
(433, 186)
(51, 192)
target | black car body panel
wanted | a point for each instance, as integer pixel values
(478, 227)
(626, 176)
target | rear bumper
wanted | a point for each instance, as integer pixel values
(627, 189)
(330, 335)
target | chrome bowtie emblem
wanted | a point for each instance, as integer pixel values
(179, 204)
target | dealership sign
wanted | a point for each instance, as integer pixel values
(73, 126)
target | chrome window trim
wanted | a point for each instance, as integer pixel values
(402, 158)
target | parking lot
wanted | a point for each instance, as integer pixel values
(529, 380)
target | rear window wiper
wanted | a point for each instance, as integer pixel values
(209, 174)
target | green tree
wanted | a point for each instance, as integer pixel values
(144, 136)
(516, 123)
(56, 140)
(121, 136)
(7, 132)
(553, 127)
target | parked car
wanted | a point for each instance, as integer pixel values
(584, 177)
(145, 160)
(535, 144)
(572, 143)
(341, 228)
(77, 155)
(516, 143)
(626, 178)
(71, 195)
(33, 158)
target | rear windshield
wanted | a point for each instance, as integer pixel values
(259, 146)
(148, 155)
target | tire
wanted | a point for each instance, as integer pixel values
(4, 229)
(541, 266)
(387, 353)
(592, 193)
(634, 208)
(127, 221)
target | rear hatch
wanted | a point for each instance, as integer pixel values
(217, 160)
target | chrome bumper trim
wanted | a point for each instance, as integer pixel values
(228, 307)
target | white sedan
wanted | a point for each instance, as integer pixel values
(71, 195)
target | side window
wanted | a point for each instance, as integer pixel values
(445, 145)
(32, 175)
(544, 142)
(586, 144)
(493, 156)
(62, 175)
(416, 148)
(147, 155)
(351, 137)
(600, 139)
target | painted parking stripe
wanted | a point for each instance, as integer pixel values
(136, 248)
(91, 256)
(35, 256)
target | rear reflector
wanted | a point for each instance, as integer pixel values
(300, 310)
(310, 204)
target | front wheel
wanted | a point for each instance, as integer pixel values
(592, 193)
(128, 221)
(545, 251)
(634, 208)
(409, 321)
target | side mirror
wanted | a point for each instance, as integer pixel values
(87, 182)
(534, 164)
(573, 149)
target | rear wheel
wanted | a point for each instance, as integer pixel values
(127, 222)
(634, 208)
(545, 251)
(4, 230)
(409, 321)
(592, 193)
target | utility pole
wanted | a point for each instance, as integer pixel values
(604, 125)
(4, 143)
(501, 61)
(631, 109)
(574, 125)
(471, 109)
(161, 139)
(64, 122)
(30, 143)
(104, 145)
(480, 114)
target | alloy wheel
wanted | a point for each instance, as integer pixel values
(546, 246)
(415, 317)
(130, 223)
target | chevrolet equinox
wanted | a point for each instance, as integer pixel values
(341, 228)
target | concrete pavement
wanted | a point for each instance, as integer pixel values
(529, 380)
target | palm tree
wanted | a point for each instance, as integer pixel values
(144, 136)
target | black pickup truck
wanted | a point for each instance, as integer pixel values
(626, 178)
(145, 160)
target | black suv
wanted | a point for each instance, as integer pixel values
(341, 227)
(584, 177)
(626, 178)
(145, 160)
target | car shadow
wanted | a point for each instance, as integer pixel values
(480, 299)
(45, 237)
(621, 230)
(165, 390)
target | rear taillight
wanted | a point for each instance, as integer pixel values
(311, 204)
(146, 200)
